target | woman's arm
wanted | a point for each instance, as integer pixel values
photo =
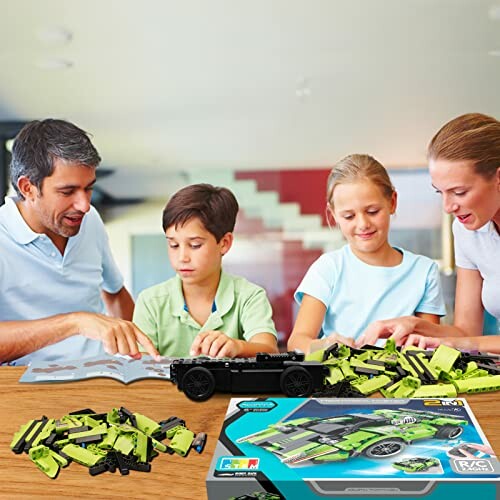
(469, 310)
(489, 343)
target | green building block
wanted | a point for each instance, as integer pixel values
(371, 385)
(444, 358)
(481, 384)
(96, 431)
(335, 376)
(435, 391)
(81, 455)
(146, 425)
(182, 440)
(110, 438)
(47, 460)
(125, 443)
(141, 447)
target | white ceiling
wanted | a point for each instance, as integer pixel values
(170, 85)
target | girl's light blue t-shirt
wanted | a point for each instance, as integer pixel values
(356, 294)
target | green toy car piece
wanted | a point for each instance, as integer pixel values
(383, 433)
(417, 464)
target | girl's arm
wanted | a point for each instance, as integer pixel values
(432, 318)
(308, 325)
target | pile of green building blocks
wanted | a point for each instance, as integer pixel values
(103, 442)
(405, 373)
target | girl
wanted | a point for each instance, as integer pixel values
(464, 163)
(367, 279)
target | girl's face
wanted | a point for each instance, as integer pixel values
(471, 198)
(363, 215)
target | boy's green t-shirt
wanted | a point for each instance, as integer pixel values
(242, 310)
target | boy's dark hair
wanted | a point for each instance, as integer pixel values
(39, 143)
(215, 207)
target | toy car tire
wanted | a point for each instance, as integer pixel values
(198, 384)
(384, 448)
(449, 432)
(296, 382)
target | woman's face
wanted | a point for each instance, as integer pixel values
(470, 197)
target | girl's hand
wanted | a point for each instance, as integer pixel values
(215, 344)
(397, 329)
(334, 338)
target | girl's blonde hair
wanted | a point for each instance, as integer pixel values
(358, 167)
(471, 137)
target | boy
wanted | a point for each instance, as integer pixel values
(203, 310)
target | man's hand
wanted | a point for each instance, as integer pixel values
(422, 342)
(397, 328)
(117, 335)
(215, 344)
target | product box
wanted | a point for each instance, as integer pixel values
(298, 448)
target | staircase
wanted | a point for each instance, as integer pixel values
(266, 205)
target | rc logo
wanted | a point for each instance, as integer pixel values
(469, 466)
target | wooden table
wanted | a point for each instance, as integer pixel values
(171, 476)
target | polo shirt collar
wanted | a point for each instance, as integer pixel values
(224, 300)
(16, 225)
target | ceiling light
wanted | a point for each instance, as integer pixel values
(302, 90)
(494, 13)
(494, 53)
(54, 63)
(54, 35)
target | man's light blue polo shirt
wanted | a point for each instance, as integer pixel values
(36, 281)
(356, 294)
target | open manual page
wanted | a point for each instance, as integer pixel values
(120, 368)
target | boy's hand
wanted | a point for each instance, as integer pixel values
(215, 344)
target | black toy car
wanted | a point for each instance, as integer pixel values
(199, 378)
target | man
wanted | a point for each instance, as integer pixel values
(57, 274)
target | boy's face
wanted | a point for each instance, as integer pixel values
(194, 252)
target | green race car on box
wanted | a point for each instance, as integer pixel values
(416, 464)
(382, 433)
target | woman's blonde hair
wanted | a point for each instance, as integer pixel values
(471, 137)
(358, 167)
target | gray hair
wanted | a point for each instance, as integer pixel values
(39, 143)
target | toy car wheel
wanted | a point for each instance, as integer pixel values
(384, 448)
(296, 382)
(449, 432)
(198, 384)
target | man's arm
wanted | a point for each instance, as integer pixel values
(19, 338)
(119, 304)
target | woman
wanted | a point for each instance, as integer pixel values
(464, 164)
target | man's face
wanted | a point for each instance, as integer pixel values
(64, 199)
